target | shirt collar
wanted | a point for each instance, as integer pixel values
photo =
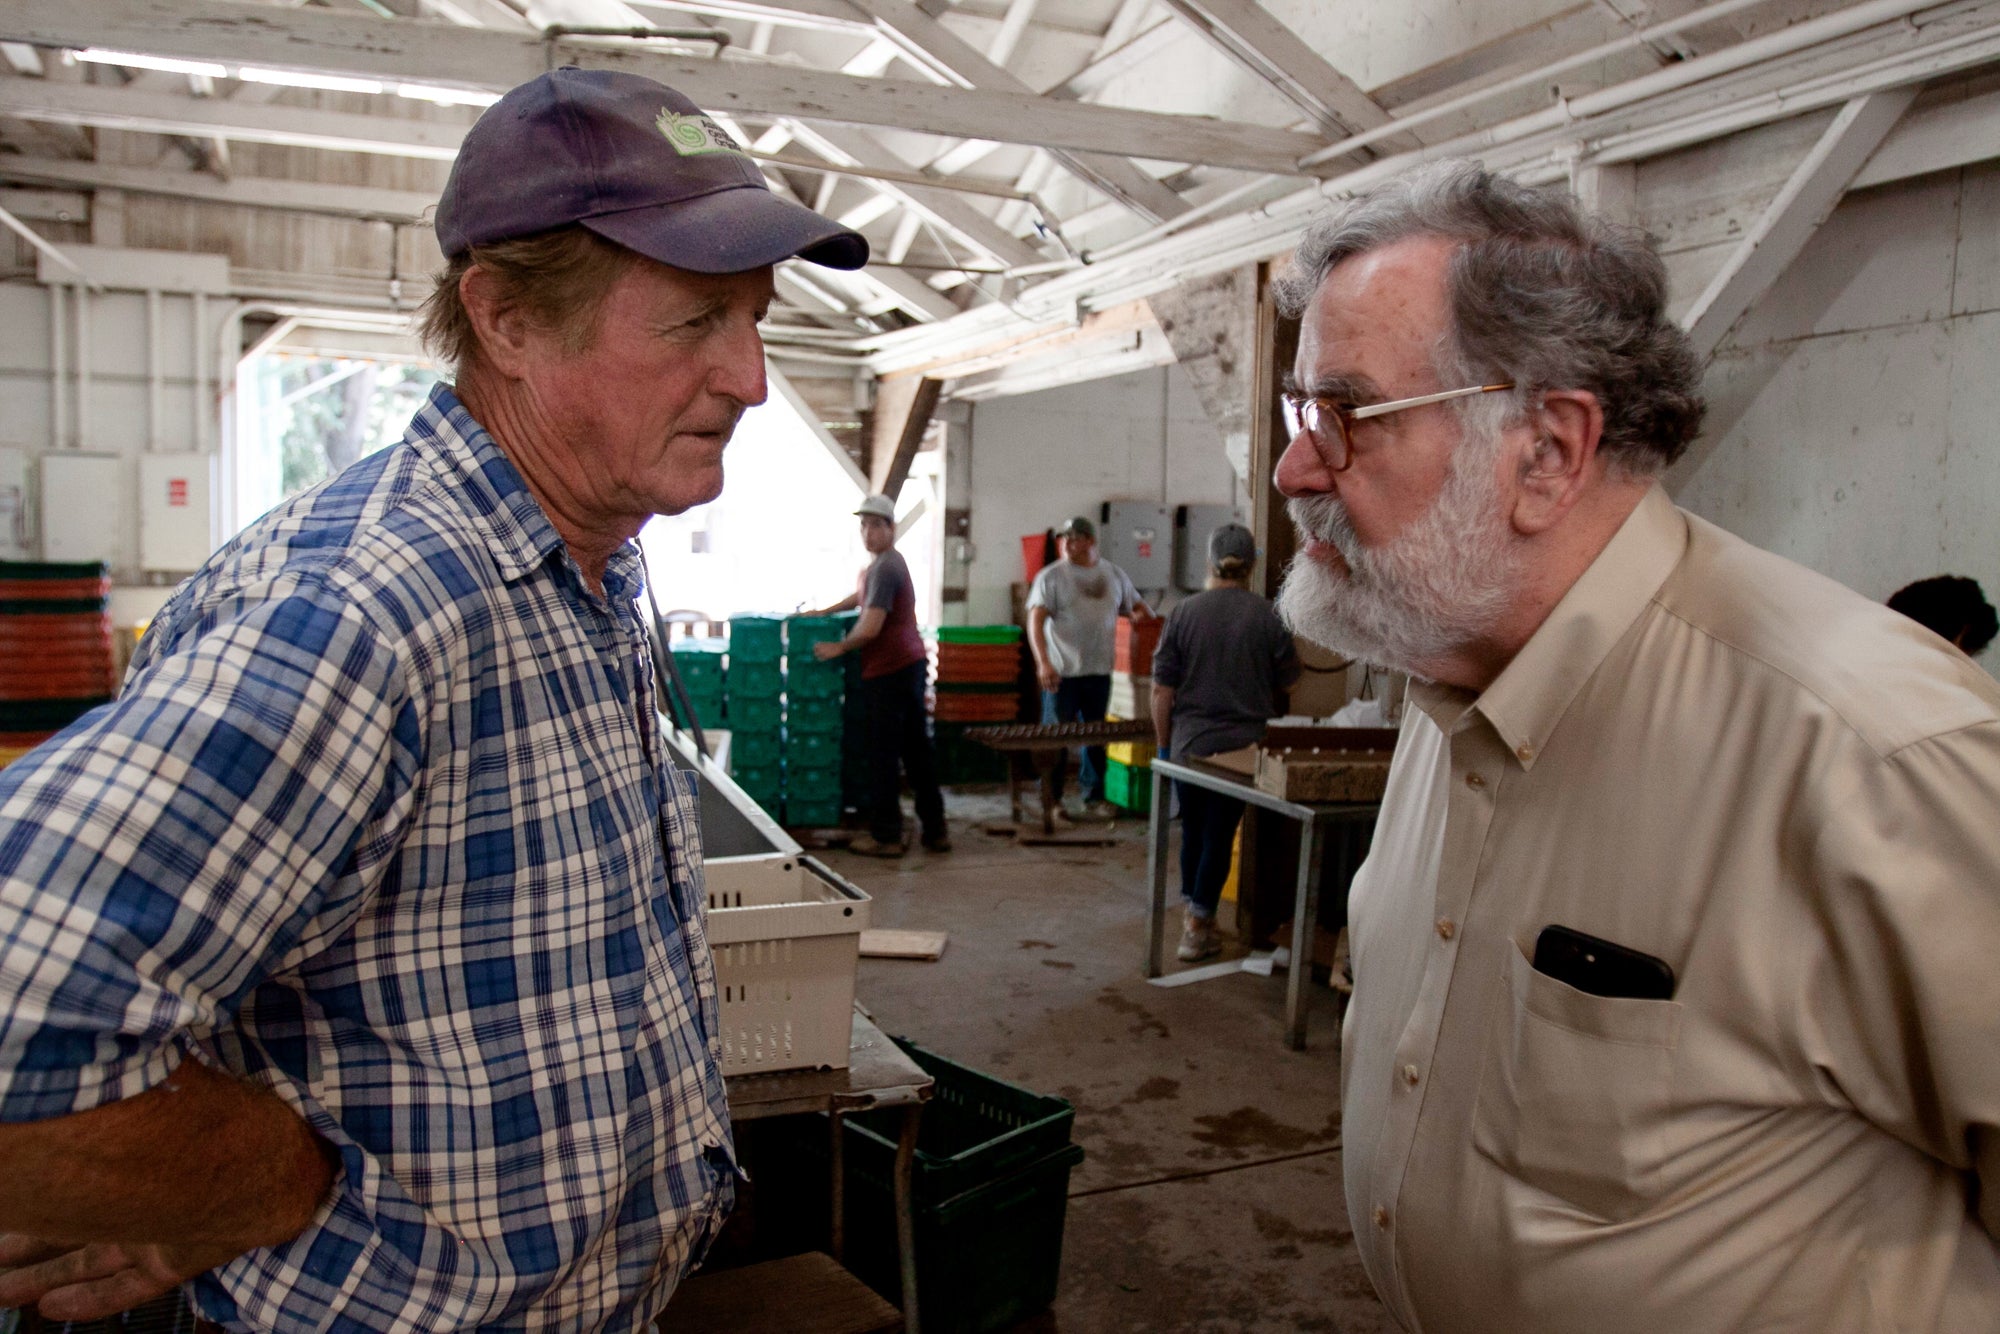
(1529, 697)
(491, 490)
(485, 483)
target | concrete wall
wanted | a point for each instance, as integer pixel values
(1040, 458)
(1855, 411)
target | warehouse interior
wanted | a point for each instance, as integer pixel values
(218, 231)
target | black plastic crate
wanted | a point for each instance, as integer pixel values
(986, 1259)
(976, 1129)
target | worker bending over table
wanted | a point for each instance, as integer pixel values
(1073, 610)
(1224, 666)
(893, 666)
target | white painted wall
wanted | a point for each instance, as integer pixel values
(1039, 458)
(123, 408)
(1856, 414)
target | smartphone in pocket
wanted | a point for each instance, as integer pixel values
(1601, 967)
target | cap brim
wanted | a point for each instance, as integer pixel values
(732, 231)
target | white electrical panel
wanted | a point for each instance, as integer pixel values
(14, 503)
(1138, 537)
(176, 511)
(81, 510)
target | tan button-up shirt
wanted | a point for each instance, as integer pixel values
(1792, 797)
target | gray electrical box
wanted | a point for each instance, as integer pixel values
(1192, 526)
(1138, 537)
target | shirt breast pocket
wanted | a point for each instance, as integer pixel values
(1575, 1095)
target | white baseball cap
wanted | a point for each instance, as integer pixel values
(880, 506)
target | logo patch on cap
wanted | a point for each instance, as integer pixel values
(694, 135)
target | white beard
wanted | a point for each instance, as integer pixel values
(1433, 589)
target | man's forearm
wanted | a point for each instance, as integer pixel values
(1163, 715)
(1038, 621)
(199, 1158)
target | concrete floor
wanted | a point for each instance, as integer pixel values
(1210, 1199)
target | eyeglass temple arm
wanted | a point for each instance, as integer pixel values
(1378, 409)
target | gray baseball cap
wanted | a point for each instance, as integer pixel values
(1078, 527)
(635, 162)
(880, 506)
(1232, 542)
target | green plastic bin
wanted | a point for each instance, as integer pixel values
(751, 749)
(991, 1188)
(812, 784)
(979, 634)
(755, 639)
(814, 680)
(753, 679)
(812, 750)
(802, 632)
(756, 713)
(823, 813)
(699, 667)
(1129, 788)
(820, 714)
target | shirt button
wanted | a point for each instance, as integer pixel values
(1474, 781)
(1381, 1218)
(1525, 753)
(1410, 1075)
(1446, 928)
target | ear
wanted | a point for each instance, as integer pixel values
(506, 338)
(1560, 463)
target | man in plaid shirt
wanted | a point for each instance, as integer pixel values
(352, 968)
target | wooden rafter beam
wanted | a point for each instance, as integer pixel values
(929, 41)
(1804, 202)
(324, 40)
(1251, 36)
(923, 406)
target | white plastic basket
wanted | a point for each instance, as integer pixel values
(786, 935)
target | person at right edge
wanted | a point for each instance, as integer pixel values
(1223, 669)
(1677, 950)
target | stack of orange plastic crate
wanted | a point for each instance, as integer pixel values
(56, 656)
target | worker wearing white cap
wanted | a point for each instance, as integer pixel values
(892, 690)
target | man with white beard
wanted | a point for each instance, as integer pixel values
(1675, 999)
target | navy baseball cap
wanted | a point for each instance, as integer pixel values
(636, 163)
(1232, 542)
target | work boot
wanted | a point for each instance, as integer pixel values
(1099, 809)
(1199, 940)
(867, 845)
(938, 842)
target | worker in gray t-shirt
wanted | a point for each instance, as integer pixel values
(1223, 669)
(1073, 611)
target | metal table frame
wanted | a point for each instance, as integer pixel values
(878, 1074)
(1313, 820)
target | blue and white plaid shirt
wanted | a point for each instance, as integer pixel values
(377, 822)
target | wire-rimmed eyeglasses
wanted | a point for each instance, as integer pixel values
(1330, 423)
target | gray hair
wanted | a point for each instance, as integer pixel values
(1542, 294)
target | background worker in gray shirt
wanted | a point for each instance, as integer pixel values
(1073, 611)
(1222, 671)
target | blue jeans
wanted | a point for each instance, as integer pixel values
(1208, 836)
(1080, 699)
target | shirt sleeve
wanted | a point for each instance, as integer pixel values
(1170, 655)
(885, 579)
(1128, 592)
(1900, 1002)
(240, 799)
(1043, 591)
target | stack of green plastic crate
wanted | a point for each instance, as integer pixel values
(814, 693)
(698, 663)
(753, 690)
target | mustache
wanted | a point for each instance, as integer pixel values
(1324, 519)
